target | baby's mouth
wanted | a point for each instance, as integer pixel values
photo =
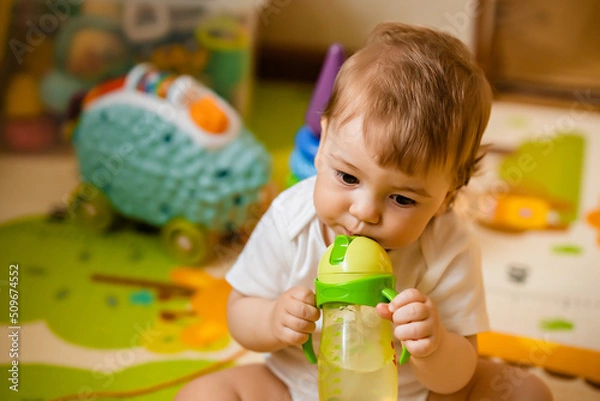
(349, 233)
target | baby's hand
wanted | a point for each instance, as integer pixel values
(416, 320)
(294, 316)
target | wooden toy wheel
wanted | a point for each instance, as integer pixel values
(90, 207)
(185, 241)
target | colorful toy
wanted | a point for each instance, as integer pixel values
(593, 219)
(163, 33)
(520, 213)
(540, 187)
(151, 21)
(306, 142)
(179, 58)
(166, 150)
(228, 45)
(212, 42)
(357, 359)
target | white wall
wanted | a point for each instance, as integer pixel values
(315, 24)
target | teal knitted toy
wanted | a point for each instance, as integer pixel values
(166, 150)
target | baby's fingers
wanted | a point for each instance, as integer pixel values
(303, 311)
(299, 325)
(421, 348)
(295, 331)
(303, 295)
(413, 331)
(406, 297)
(413, 312)
(383, 310)
(293, 337)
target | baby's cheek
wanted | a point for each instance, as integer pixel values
(414, 229)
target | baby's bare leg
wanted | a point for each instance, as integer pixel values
(252, 382)
(496, 381)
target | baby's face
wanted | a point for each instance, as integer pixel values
(356, 196)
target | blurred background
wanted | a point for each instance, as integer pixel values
(535, 206)
(56, 49)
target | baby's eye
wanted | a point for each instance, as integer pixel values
(347, 178)
(403, 200)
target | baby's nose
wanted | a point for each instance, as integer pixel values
(366, 211)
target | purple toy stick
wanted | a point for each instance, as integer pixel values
(333, 62)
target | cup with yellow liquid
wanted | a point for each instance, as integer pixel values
(357, 359)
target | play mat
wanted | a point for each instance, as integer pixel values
(113, 316)
(537, 204)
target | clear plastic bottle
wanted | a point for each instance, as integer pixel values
(357, 360)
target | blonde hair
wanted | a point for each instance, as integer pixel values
(424, 101)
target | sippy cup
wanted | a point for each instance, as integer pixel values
(357, 360)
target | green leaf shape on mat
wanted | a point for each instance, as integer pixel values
(43, 382)
(558, 324)
(57, 261)
(567, 249)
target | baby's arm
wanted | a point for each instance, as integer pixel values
(442, 361)
(265, 325)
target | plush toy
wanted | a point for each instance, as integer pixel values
(166, 150)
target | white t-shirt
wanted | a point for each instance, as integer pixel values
(284, 251)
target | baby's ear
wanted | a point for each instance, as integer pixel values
(446, 203)
(323, 126)
(323, 133)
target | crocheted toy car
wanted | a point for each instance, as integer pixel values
(167, 151)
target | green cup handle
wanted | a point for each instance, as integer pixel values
(309, 351)
(390, 294)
